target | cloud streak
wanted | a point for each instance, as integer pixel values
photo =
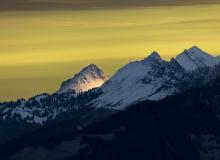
(92, 4)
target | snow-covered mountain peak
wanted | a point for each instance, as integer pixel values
(193, 58)
(91, 68)
(88, 78)
(154, 56)
(195, 49)
(136, 81)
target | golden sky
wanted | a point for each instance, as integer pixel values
(40, 49)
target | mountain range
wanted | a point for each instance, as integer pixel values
(149, 79)
(91, 96)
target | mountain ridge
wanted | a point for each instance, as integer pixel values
(152, 78)
(149, 79)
